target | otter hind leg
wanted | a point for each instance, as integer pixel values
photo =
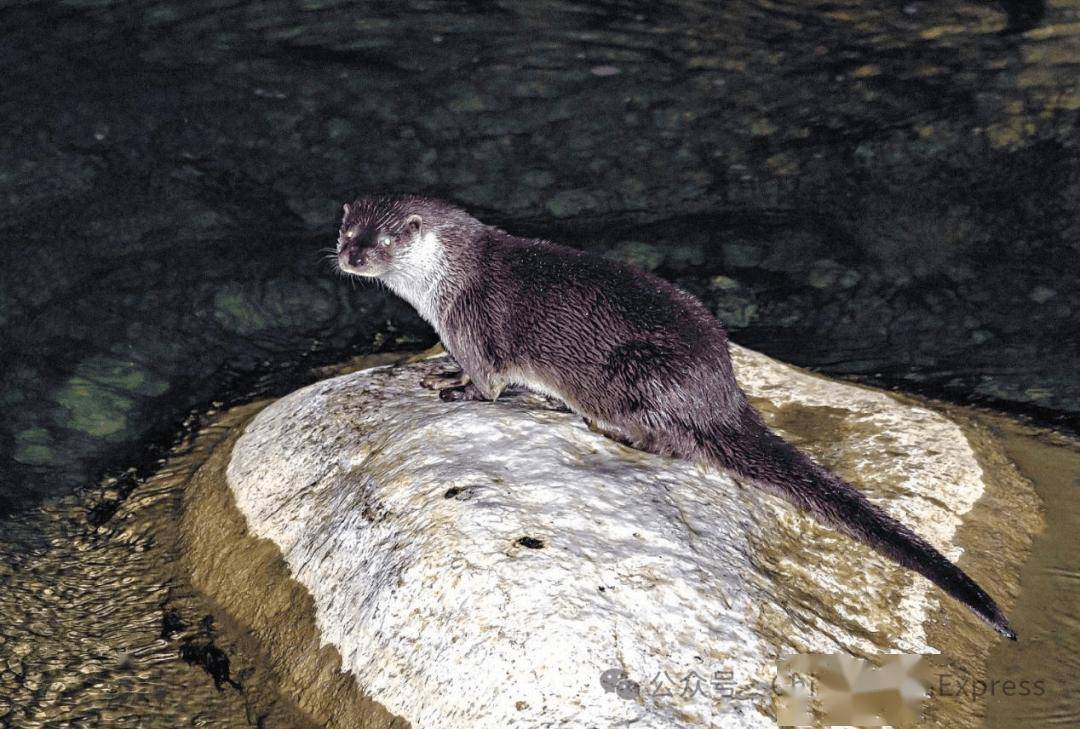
(616, 435)
(554, 403)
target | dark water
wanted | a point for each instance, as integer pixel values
(888, 191)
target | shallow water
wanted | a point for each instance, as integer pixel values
(100, 629)
(98, 623)
(1050, 651)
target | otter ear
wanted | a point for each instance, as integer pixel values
(414, 224)
(346, 207)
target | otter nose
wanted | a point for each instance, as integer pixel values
(356, 257)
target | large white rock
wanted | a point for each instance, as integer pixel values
(404, 518)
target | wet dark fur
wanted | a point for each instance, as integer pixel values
(638, 358)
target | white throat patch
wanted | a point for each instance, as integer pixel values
(416, 275)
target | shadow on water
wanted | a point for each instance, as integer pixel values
(1023, 14)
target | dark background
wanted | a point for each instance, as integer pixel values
(883, 190)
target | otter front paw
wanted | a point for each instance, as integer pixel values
(461, 394)
(443, 380)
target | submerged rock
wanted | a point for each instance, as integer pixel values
(498, 564)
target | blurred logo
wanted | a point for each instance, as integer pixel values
(836, 689)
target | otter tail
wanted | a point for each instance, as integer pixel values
(756, 453)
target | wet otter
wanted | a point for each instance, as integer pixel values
(641, 360)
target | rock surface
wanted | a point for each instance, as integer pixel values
(482, 564)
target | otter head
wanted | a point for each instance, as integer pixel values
(376, 236)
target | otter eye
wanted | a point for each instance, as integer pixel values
(350, 233)
(384, 241)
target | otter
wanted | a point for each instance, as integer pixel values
(641, 360)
